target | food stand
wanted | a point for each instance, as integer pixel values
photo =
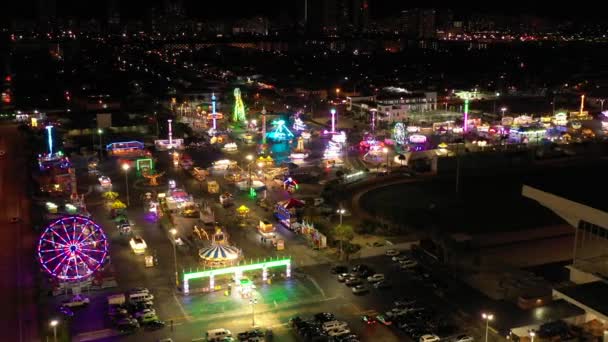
(213, 187)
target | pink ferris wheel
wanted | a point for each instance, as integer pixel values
(72, 248)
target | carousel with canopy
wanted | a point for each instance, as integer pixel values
(220, 253)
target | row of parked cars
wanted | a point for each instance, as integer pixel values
(323, 327)
(131, 310)
(358, 275)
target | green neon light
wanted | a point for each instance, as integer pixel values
(234, 269)
(147, 161)
(238, 114)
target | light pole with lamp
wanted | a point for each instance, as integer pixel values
(54, 323)
(385, 150)
(125, 168)
(100, 132)
(503, 110)
(487, 317)
(173, 232)
(249, 158)
(253, 302)
(341, 212)
(602, 104)
(532, 334)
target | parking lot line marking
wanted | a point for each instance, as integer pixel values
(181, 307)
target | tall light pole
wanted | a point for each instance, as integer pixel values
(249, 158)
(54, 324)
(602, 104)
(385, 150)
(333, 120)
(341, 212)
(487, 317)
(503, 110)
(100, 132)
(253, 302)
(173, 232)
(532, 334)
(170, 134)
(125, 168)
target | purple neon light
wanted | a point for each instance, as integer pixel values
(72, 248)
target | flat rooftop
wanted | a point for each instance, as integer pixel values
(591, 295)
(583, 184)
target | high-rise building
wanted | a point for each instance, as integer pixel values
(419, 23)
(336, 15)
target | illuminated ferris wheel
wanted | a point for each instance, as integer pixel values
(399, 134)
(72, 248)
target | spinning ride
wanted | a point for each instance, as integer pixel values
(72, 248)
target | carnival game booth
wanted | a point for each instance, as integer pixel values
(165, 145)
(178, 199)
(127, 149)
(285, 211)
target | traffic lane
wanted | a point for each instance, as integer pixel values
(17, 240)
(131, 270)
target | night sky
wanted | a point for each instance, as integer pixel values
(272, 8)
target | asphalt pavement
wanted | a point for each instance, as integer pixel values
(18, 287)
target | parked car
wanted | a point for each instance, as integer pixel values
(154, 324)
(375, 278)
(127, 325)
(145, 312)
(429, 338)
(323, 317)
(383, 284)
(353, 281)
(464, 338)
(408, 264)
(360, 289)
(391, 252)
(399, 258)
(343, 276)
(77, 301)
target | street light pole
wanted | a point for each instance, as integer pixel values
(126, 167)
(100, 131)
(54, 324)
(253, 302)
(487, 318)
(532, 334)
(385, 150)
(173, 233)
(250, 159)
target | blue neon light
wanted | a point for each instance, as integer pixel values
(50, 139)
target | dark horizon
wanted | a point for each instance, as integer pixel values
(136, 9)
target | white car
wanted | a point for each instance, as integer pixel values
(391, 252)
(375, 278)
(105, 181)
(429, 338)
(360, 289)
(145, 313)
(138, 245)
(464, 338)
(77, 301)
(408, 264)
(338, 332)
(399, 258)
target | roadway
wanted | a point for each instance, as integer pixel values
(18, 288)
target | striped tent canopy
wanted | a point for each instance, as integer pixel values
(219, 253)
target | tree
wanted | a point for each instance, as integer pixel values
(343, 232)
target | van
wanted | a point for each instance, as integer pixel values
(218, 334)
(333, 325)
(140, 297)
